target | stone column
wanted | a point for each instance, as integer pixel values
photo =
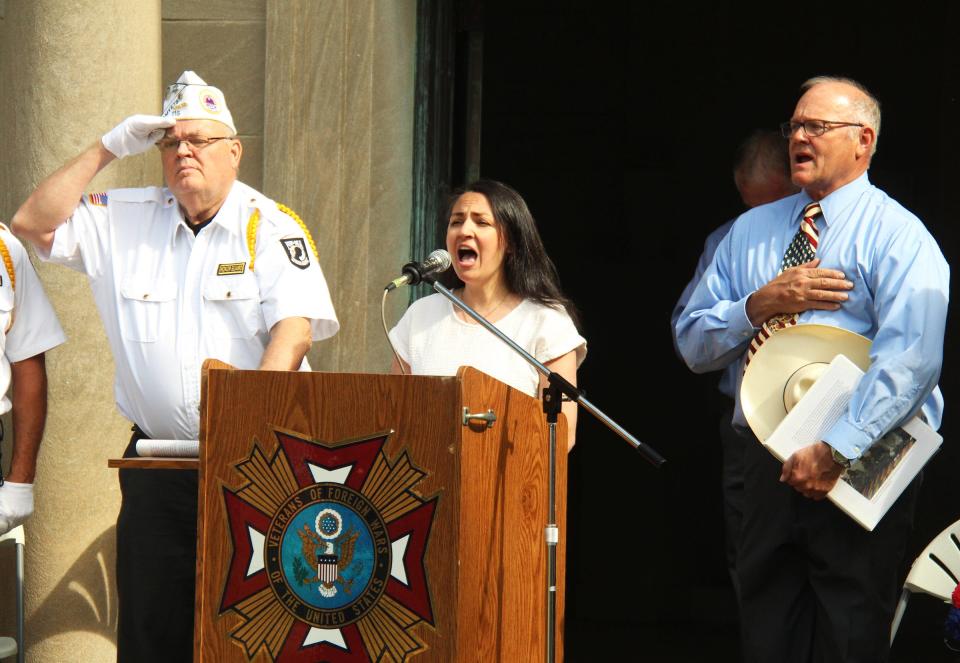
(69, 71)
(338, 146)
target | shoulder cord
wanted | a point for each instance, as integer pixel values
(252, 226)
(8, 263)
(254, 223)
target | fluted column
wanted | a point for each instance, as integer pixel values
(69, 71)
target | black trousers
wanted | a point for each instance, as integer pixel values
(814, 585)
(156, 563)
(731, 479)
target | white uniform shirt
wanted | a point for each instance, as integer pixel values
(169, 300)
(434, 341)
(28, 325)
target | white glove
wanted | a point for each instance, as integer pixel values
(136, 134)
(16, 504)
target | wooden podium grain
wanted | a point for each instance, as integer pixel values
(485, 558)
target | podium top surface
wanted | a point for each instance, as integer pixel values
(154, 463)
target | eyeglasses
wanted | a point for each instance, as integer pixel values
(195, 143)
(814, 128)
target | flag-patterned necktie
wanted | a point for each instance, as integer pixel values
(802, 249)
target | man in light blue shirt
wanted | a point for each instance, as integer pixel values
(813, 583)
(761, 173)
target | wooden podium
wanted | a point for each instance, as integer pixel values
(355, 517)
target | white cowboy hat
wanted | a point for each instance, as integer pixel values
(787, 364)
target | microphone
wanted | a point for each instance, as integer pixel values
(415, 272)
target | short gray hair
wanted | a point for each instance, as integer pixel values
(866, 109)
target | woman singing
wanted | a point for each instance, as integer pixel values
(504, 274)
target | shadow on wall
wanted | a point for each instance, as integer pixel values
(84, 600)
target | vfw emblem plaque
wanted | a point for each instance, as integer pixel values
(328, 552)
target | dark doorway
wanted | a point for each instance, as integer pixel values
(618, 122)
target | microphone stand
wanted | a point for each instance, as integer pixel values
(557, 388)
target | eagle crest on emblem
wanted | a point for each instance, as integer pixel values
(328, 549)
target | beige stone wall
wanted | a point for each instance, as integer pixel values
(338, 145)
(223, 42)
(322, 94)
(64, 84)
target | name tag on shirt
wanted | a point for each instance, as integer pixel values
(230, 268)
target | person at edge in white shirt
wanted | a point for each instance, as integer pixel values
(205, 267)
(28, 328)
(502, 271)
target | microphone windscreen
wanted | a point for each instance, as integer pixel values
(438, 261)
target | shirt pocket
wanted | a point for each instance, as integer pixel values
(232, 308)
(144, 303)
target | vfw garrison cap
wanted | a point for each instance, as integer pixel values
(190, 98)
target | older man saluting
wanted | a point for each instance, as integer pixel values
(814, 584)
(206, 267)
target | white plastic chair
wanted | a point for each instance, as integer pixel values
(11, 646)
(936, 571)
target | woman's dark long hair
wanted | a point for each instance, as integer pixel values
(528, 270)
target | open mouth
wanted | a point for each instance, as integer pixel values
(802, 158)
(466, 256)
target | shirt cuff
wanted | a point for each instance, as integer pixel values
(848, 440)
(739, 324)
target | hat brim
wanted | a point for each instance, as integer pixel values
(764, 385)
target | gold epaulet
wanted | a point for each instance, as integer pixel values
(254, 224)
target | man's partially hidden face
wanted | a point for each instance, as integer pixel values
(200, 174)
(823, 164)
